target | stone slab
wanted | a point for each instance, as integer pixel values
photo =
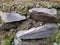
(44, 31)
(11, 17)
(43, 14)
(51, 12)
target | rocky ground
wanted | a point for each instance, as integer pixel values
(8, 30)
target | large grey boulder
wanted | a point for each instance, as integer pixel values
(11, 17)
(43, 14)
(44, 31)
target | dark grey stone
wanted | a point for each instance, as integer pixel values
(11, 17)
(44, 31)
(43, 14)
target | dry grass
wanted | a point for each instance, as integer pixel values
(2, 1)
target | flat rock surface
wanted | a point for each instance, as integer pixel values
(11, 17)
(44, 31)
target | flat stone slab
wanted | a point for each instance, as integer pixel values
(44, 31)
(43, 14)
(11, 17)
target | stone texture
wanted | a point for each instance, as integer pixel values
(10, 26)
(43, 14)
(44, 31)
(36, 42)
(33, 42)
(11, 17)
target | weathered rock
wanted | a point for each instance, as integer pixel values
(44, 31)
(43, 14)
(11, 20)
(11, 17)
(31, 42)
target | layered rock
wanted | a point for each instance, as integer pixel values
(43, 14)
(44, 31)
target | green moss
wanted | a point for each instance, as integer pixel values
(9, 40)
(6, 42)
